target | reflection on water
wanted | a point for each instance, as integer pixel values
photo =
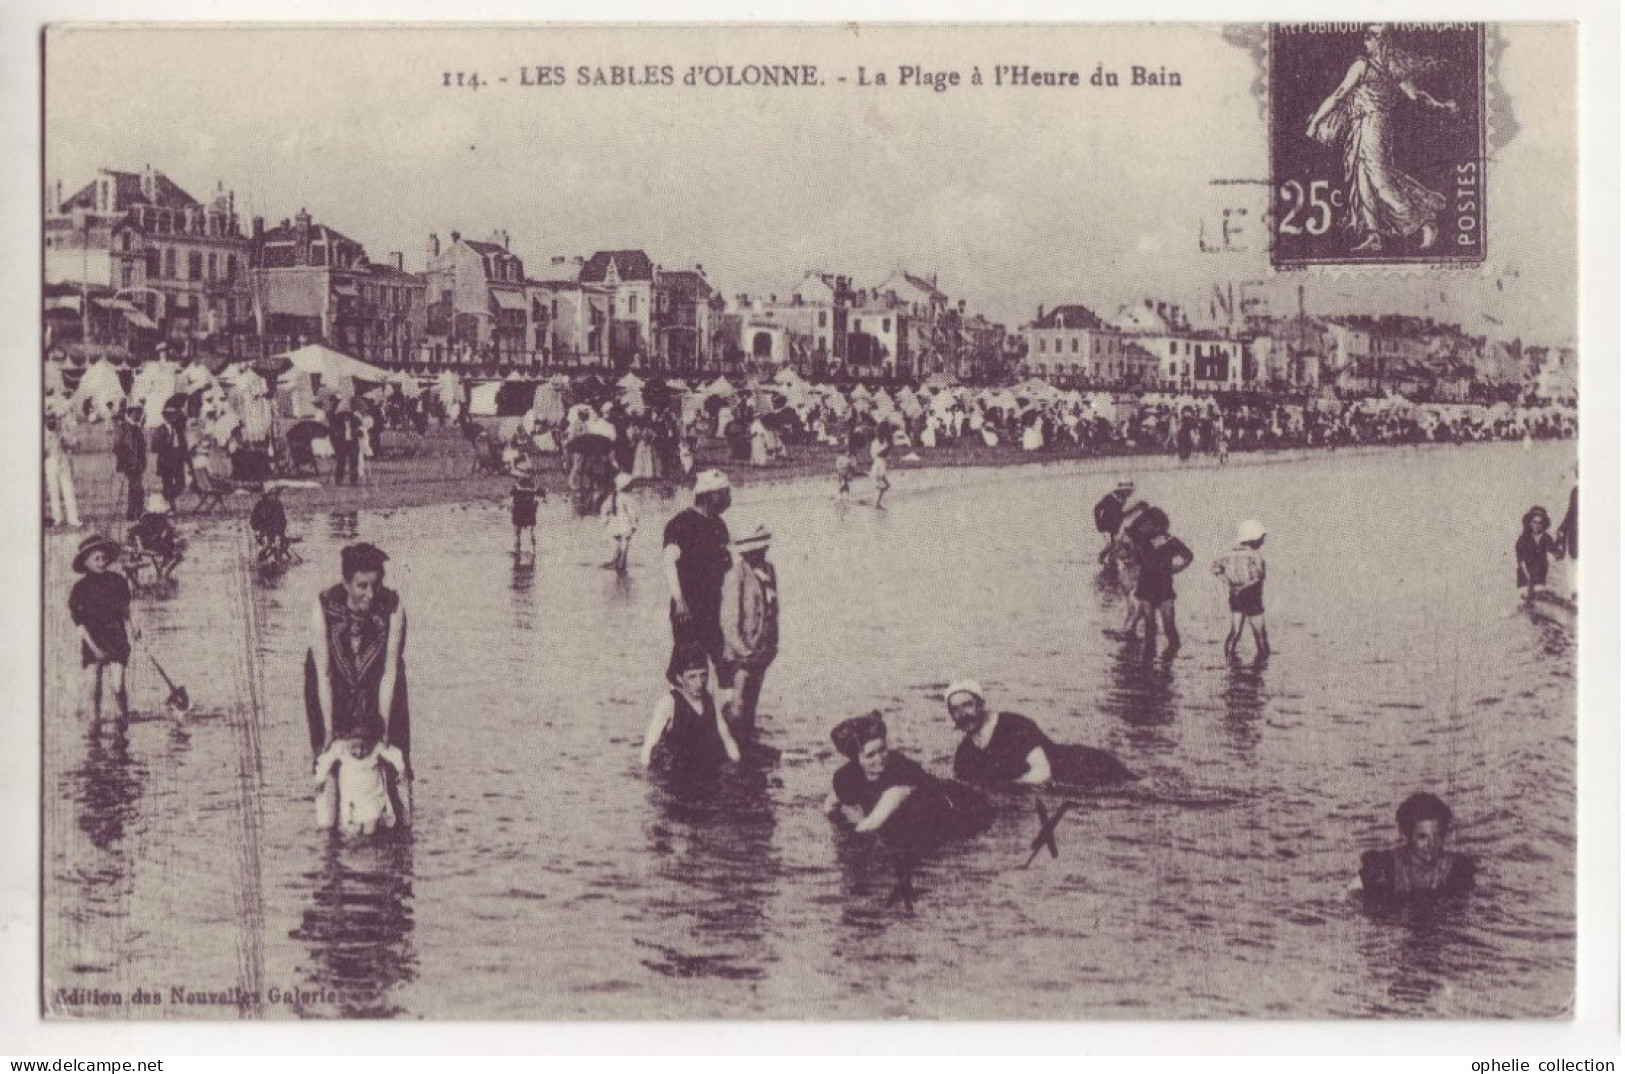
(1245, 698)
(358, 927)
(546, 876)
(108, 785)
(712, 842)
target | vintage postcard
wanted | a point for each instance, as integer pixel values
(779, 522)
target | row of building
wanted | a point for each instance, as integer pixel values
(132, 260)
(1153, 344)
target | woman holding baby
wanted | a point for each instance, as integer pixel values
(355, 681)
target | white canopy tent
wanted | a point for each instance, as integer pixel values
(152, 387)
(327, 370)
(99, 387)
(482, 399)
(449, 388)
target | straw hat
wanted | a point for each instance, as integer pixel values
(92, 544)
(623, 481)
(964, 686)
(754, 541)
(1250, 531)
(710, 481)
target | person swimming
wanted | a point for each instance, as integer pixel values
(1007, 748)
(880, 790)
(1420, 866)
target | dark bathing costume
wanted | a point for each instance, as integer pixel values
(99, 602)
(936, 811)
(355, 663)
(1014, 738)
(691, 746)
(703, 542)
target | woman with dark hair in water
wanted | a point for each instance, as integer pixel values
(880, 790)
(1420, 865)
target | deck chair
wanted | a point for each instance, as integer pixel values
(211, 493)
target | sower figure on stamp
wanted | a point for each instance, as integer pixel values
(355, 670)
(1383, 201)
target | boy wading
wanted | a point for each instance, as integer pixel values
(750, 626)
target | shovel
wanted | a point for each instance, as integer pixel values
(178, 698)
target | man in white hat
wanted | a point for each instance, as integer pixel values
(1109, 511)
(750, 627)
(696, 559)
(1006, 747)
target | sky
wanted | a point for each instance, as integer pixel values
(1013, 197)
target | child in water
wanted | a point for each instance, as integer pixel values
(1242, 569)
(844, 468)
(687, 731)
(620, 521)
(1535, 545)
(525, 494)
(877, 472)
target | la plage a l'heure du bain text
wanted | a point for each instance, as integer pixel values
(908, 76)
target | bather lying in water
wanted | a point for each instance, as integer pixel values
(1007, 747)
(353, 786)
(881, 791)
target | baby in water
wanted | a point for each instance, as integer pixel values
(352, 786)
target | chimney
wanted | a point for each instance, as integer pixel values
(58, 205)
(697, 268)
(456, 237)
(434, 245)
(559, 259)
(398, 259)
(301, 230)
(148, 184)
(1040, 318)
(259, 228)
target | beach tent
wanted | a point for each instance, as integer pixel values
(329, 371)
(630, 382)
(448, 388)
(482, 399)
(325, 362)
(99, 387)
(407, 383)
(719, 387)
(153, 386)
(548, 403)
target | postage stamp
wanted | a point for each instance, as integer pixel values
(1377, 143)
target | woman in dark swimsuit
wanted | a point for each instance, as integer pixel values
(355, 669)
(879, 790)
(687, 735)
(1420, 866)
(1007, 747)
